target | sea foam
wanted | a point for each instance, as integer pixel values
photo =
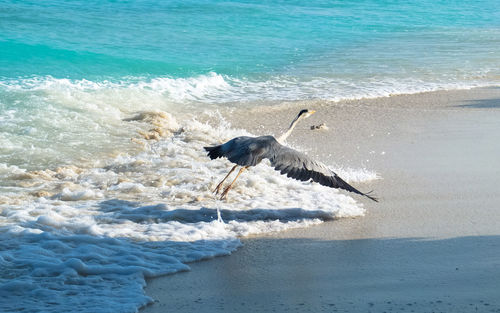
(88, 236)
(218, 88)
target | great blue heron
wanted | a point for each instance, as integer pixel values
(249, 151)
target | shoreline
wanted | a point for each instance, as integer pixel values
(429, 245)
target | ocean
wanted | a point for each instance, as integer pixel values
(105, 107)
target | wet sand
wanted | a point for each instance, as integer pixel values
(432, 244)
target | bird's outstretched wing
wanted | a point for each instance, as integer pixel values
(249, 151)
(299, 166)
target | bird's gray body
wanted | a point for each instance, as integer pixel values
(250, 151)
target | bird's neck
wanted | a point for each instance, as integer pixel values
(285, 135)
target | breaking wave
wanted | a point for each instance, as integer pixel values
(214, 88)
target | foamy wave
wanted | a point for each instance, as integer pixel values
(333, 89)
(100, 230)
(55, 273)
(200, 88)
(217, 88)
(356, 175)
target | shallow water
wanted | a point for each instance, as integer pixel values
(91, 232)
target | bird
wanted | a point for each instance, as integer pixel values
(246, 151)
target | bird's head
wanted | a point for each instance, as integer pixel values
(305, 113)
(302, 114)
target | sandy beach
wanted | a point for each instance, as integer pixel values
(432, 244)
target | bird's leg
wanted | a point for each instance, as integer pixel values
(217, 189)
(224, 193)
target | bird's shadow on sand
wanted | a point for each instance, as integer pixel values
(160, 213)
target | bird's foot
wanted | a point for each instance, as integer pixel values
(224, 193)
(217, 189)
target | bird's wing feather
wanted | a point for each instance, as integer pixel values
(299, 166)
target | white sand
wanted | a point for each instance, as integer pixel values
(431, 244)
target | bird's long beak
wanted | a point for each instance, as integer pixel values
(312, 111)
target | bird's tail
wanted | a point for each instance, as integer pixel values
(214, 152)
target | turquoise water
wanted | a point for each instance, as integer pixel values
(334, 39)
